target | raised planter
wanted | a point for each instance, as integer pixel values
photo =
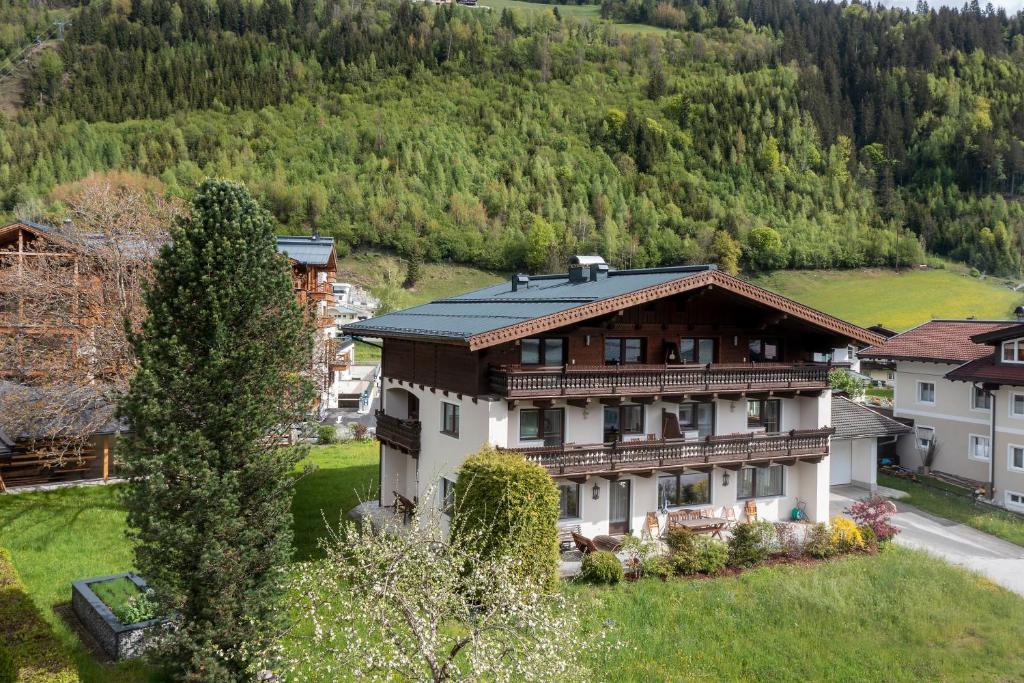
(120, 641)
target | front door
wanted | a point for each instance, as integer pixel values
(618, 513)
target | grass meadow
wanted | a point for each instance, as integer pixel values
(901, 615)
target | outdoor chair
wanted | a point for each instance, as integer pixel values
(729, 513)
(651, 527)
(403, 505)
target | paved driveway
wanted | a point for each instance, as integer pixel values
(994, 558)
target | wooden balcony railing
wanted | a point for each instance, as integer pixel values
(734, 449)
(397, 433)
(515, 381)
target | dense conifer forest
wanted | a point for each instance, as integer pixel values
(760, 133)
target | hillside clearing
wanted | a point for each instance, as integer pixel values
(900, 300)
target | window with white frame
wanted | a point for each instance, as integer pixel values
(981, 399)
(568, 500)
(1015, 500)
(1013, 351)
(1017, 405)
(925, 437)
(926, 392)
(1015, 458)
(449, 419)
(978, 447)
(760, 482)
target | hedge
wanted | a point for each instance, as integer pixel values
(508, 506)
(32, 651)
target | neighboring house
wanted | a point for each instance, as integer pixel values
(638, 390)
(344, 314)
(961, 382)
(854, 447)
(54, 434)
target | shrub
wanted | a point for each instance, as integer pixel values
(139, 608)
(791, 540)
(637, 551)
(8, 673)
(875, 513)
(326, 434)
(657, 566)
(844, 536)
(680, 540)
(817, 543)
(508, 506)
(707, 556)
(870, 540)
(359, 431)
(751, 543)
(601, 567)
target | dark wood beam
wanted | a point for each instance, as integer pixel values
(610, 476)
(578, 479)
(646, 400)
(613, 400)
(543, 403)
(646, 474)
(701, 468)
(578, 402)
(734, 466)
(788, 462)
(813, 460)
(512, 404)
(674, 398)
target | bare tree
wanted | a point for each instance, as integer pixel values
(70, 297)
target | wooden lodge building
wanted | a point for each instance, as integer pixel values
(640, 391)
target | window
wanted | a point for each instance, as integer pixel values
(699, 416)
(980, 399)
(925, 437)
(696, 350)
(1013, 351)
(926, 392)
(620, 420)
(568, 501)
(449, 419)
(760, 482)
(764, 413)
(542, 352)
(978, 447)
(620, 351)
(547, 424)
(1015, 458)
(765, 349)
(447, 495)
(684, 489)
(1017, 405)
(1015, 501)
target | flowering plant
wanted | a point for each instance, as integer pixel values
(874, 513)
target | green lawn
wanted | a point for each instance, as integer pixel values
(898, 300)
(899, 616)
(880, 392)
(578, 11)
(1005, 525)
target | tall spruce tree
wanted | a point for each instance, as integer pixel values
(209, 499)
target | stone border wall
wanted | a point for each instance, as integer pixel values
(120, 641)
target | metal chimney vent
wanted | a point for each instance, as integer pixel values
(520, 280)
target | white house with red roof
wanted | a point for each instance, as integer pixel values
(961, 384)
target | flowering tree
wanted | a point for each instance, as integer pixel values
(874, 513)
(411, 603)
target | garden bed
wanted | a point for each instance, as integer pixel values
(103, 603)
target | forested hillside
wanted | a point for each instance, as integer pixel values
(509, 140)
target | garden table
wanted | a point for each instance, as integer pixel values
(712, 525)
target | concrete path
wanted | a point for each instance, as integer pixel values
(994, 558)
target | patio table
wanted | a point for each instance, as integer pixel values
(712, 525)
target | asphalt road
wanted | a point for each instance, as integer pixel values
(994, 558)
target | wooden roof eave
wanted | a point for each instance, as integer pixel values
(710, 278)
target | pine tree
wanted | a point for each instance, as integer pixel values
(209, 499)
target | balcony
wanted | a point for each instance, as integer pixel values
(731, 451)
(515, 381)
(398, 433)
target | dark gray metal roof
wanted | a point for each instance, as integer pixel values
(460, 317)
(309, 250)
(55, 411)
(854, 421)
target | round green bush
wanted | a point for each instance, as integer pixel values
(680, 541)
(706, 556)
(818, 542)
(506, 506)
(601, 567)
(751, 543)
(326, 434)
(657, 566)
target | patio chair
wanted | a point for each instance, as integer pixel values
(403, 505)
(584, 544)
(729, 513)
(707, 513)
(651, 527)
(751, 511)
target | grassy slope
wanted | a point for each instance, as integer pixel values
(899, 616)
(576, 11)
(1005, 525)
(898, 300)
